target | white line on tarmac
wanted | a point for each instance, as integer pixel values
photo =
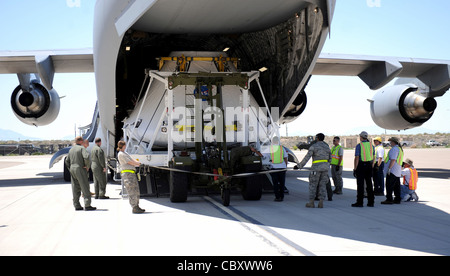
(268, 235)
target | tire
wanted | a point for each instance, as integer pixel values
(226, 194)
(252, 189)
(67, 176)
(179, 186)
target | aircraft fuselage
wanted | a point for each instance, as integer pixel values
(286, 37)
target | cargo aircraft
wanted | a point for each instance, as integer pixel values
(186, 82)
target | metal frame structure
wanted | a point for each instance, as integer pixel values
(171, 81)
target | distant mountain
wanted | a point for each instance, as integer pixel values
(6, 135)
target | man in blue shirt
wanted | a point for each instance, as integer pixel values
(393, 172)
(363, 170)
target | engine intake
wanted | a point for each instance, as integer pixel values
(37, 106)
(296, 109)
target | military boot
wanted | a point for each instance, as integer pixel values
(320, 204)
(137, 210)
(310, 204)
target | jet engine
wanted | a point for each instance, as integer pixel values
(401, 107)
(296, 109)
(35, 105)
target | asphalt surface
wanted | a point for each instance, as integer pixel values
(37, 218)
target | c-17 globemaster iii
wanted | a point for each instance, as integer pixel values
(186, 82)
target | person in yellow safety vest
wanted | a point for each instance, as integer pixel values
(378, 167)
(128, 173)
(410, 179)
(337, 163)
(386, 156)
(363, 164)
(279, 159)
(318, 177)
(393, 171)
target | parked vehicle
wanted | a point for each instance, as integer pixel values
(406, 143)
(433, 143)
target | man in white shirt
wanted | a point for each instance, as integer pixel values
(410, 179)
(378, 168)
(279, 160)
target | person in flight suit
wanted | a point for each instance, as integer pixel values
(99, 169)
(321, 155)
(78, 163)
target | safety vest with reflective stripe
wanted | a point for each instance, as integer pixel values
(277, 154)
(412, 182)
(399, 158)
(366, 151)
(335, 156)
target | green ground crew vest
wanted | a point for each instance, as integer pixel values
(399, 158)
(277, 154)
(386, 156)
(335, 156)
(375, 153)
(366, 151)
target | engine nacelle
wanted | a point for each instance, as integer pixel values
(401, 107)
(296, 109)
(37, 107)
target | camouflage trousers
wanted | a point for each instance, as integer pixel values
(318, 179)
(131, 184)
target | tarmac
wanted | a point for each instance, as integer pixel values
(37, 218)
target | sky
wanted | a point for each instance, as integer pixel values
(336, 105)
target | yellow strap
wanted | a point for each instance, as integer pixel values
(127, 171)
(320, 161)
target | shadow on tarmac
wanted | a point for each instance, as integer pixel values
(41, 179)
(409, 225)
(434, 173)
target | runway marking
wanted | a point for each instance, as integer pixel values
(271, 237)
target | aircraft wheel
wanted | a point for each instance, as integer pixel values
(66, 172)
(252, 189)
(179, 184)
(226, 192)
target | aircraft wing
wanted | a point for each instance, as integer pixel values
(62, 61)
(378, 71)
(45, 64)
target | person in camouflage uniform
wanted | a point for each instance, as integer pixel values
(78, 163)
(321, 155)
(128, 166)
